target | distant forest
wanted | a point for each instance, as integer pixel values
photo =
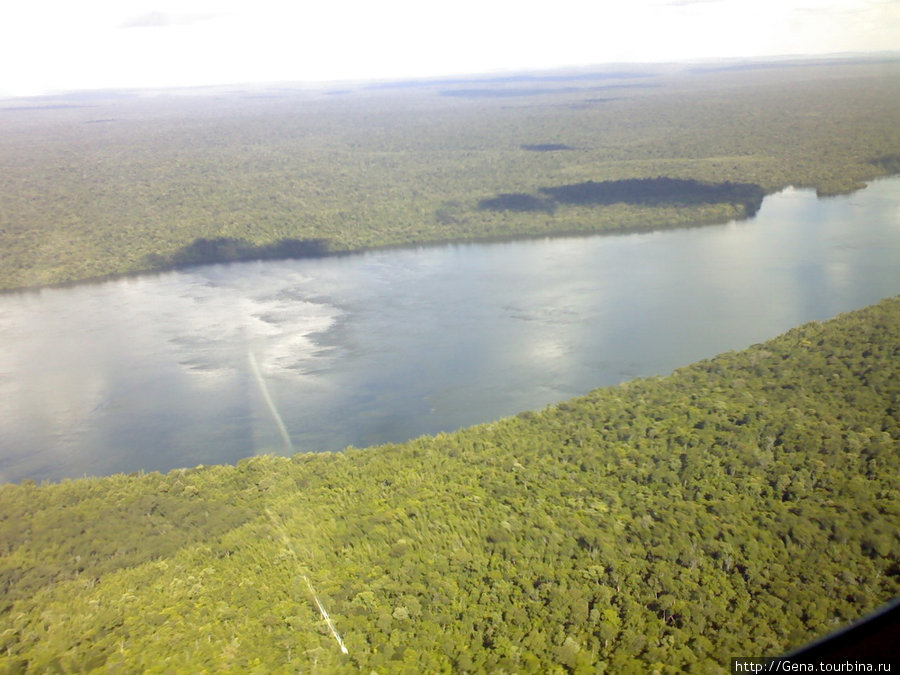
(547, 147)
(112, 183)
(658, 191)
(228, 249)
(743, 505)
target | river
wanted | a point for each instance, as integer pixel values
(215, 363)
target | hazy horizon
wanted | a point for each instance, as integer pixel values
(159, 44)
(562, 71)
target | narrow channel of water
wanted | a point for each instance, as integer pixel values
(157, 372)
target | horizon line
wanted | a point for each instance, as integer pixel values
(461, 77)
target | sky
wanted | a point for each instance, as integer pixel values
(50, 46)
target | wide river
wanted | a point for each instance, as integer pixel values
(212, 364)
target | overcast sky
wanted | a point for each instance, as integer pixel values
(59, 45)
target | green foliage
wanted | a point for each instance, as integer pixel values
(742, 505)
(547, 147)
(648, 191)
(517, 201)
(230, 249)
(658, 191)
(129, 184)
(890, 163)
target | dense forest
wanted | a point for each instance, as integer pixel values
(648, 191)
(740, 506)
(113, 182)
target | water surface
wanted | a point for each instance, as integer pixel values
(173, 370)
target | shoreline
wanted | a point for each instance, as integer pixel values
(561, 233)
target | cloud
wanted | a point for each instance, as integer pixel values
(157, 19)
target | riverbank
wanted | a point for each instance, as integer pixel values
(390, 345)
(551, 540)
(130, 185)
(223, 250)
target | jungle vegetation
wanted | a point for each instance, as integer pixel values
(740, 506)
(547, 147)
(648, 191)
(112, 182)
(231, 249)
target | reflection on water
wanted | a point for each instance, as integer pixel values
(154, 372)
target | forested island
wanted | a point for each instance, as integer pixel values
(740, 506)
(109, 183)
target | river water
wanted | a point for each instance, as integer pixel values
(212, 364)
